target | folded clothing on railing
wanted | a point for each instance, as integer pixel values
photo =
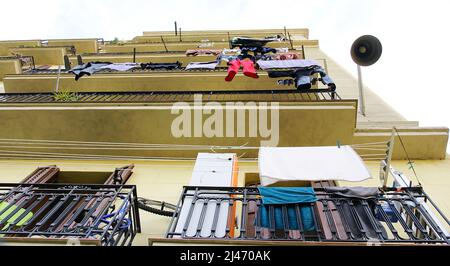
(121, 66)
(362, 219)
(196, 52)
(354, 192)
(276, 197)
(88, 69)
(303, 77)
(246, 41)
(294, 63)
(286, 56)
(167, 66)
(202, 65)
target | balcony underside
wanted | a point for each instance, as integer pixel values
(140, 81)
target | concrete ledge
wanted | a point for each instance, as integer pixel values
(10, 66)
(6, 45)
(247, 32)
(28, 241)
(231, 242)
(42, 55)
(139, 81)
(89, 45)
(420, 143)
(300, 124)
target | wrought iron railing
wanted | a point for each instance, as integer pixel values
(224, 213)
(106, 213)
(172, 96)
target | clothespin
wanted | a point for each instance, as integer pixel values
(411, 165)
(338, 144)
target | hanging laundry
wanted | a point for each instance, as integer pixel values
(286, 56)
(205, 45)
(277, 64)
(166, 66)
(273, 199)
(259, 53)
(282, 50)
(365, 213)
(235, 59)
(202, 65)
(354, 192)
(88, 69)
(248, 68)
(292, 164)
(253, 42)
(258, 50)
(229, 55)
(196, 52)
(302, 77)
(121, 66)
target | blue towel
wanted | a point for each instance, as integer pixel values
(276, 196)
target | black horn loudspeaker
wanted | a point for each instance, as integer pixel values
(366, 50)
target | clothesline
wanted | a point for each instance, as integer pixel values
(300, 71)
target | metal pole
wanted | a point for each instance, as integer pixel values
(164, 43)
(176, 29)
(362, 106)
(390, 147)
(57, 78)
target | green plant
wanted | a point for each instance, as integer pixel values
(66, 96)
(115, 41)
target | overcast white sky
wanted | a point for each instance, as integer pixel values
(411, 74)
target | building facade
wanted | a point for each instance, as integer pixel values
(151, 130)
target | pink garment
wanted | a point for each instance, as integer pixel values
(286, 56)
(248, 68)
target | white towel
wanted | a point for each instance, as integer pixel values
(294, 63)
(310, 164)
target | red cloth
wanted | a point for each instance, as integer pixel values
(247, 65)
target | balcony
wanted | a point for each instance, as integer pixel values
(174, 96)
(221, 214)
(57, 213)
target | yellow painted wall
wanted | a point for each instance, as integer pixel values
(301, 124)
(149, 81)
(5, 45)
(42, 55)
(12, 66)
(81, 45)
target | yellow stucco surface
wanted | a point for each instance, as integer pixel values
(42, 55)
(11, 66)
(81, 45)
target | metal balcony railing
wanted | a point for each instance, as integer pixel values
(107, 213)
(224, 213)
(174, 96)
